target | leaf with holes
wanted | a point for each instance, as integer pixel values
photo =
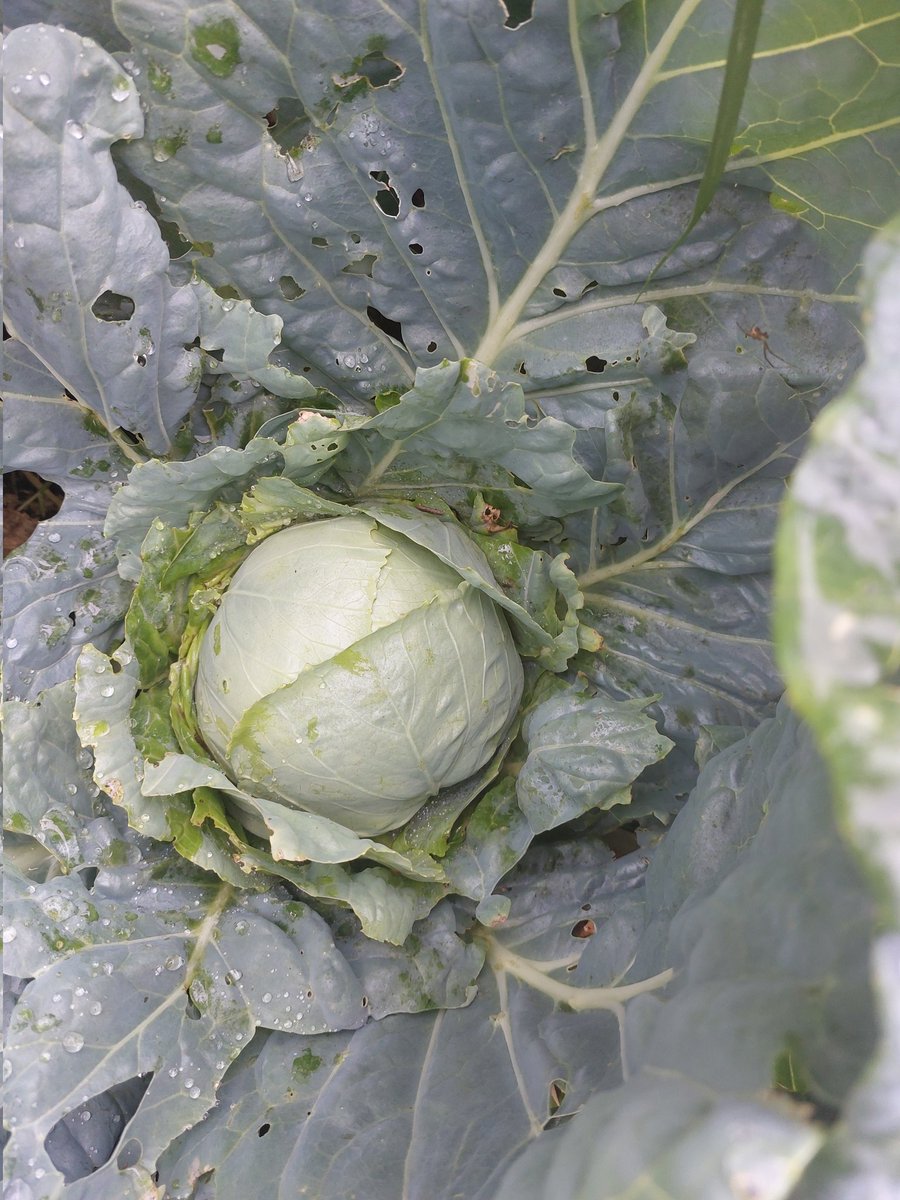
(171, 986)
(62, 588)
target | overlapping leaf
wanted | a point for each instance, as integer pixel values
(839, 637)
(61, 588)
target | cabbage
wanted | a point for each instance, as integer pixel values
(350, 672)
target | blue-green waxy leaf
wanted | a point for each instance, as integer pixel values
(61, 588)
(51, 796)
(464, 410)
(439, 1103)
(724, 902)
(87, 283)
(172, 986)
(838, 635)
(670, 1138)
(435, 968)
(839, 578)
(87, 286)
(583, 753)
(246, 338)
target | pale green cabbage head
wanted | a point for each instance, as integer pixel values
(350, 672)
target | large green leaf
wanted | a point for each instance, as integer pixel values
(184, 976)
(61, 588)
(87, 285)
(838, 624)
(453, 228)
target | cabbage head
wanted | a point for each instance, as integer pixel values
(349, 672)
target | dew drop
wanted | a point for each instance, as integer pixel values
(44, 79)
(266, 998)
(95, 1009)
(194, 1093)
(73, 1042)
(19, 243)
(53, 537)
(227, 305)
(74, 130)
(9, 935)
(120, 93)
(173, 962)
(11, 643)
(107, 691)
(72, 789)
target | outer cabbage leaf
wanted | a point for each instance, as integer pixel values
(87, 283)
(380, 186)
(838, 626)
(180, 996)
(62, 587)
(51, 796)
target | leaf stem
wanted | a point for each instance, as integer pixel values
(677, 532)
(598, 153)
(380, 467)
(579, 999)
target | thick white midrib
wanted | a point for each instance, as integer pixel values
(597, 156)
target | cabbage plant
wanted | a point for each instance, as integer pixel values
(504, 839)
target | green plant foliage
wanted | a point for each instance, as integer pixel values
(563, 305)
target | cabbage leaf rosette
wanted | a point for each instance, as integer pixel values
(327, 659)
